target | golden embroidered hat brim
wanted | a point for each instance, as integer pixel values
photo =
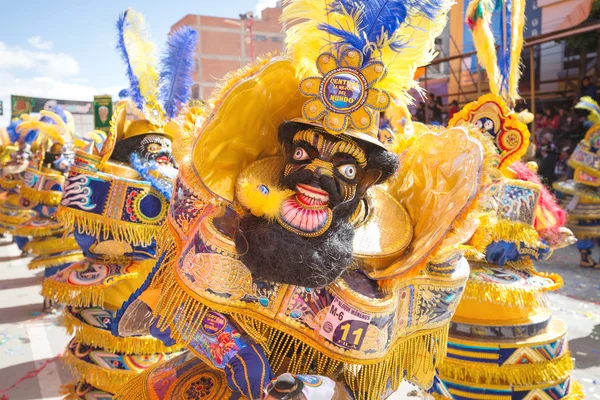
(127, 129)
(243, 125)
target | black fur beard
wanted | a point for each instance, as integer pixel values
(275, 254)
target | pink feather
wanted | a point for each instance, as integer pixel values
(554, 217)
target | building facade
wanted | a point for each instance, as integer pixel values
(226, 44)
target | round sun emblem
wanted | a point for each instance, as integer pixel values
(344, 95)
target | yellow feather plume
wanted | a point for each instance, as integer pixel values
(305, 41)
(66, 129)
(419, 52)
(4, 140)
(402, 125)
(70, 123)
(483, 39)
(518, 24)
(141, 53)
(589, 104)
(54, 117)
(192, 119)
(399, 116)
(48, 131)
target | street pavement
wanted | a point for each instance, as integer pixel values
(578, 304)
(31, 341)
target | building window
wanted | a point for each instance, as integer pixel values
(260, 38)
(276, 39)
(196, 91)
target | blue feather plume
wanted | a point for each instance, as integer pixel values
(13, 135)
(31, 136)
(377, 21)
(134, 88)
(176, 67)
(123, 93)
(58, 110)
(505, 45)
(47, 120)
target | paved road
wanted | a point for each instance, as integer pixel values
(28, 339)
(580, 283)
(578, 304)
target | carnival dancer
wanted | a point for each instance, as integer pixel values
(116, 199)
(15, 160)
(580, 194)
(41, 191)
(503, 340)
(284, 251)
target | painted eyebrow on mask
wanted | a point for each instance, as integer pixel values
(345, 145)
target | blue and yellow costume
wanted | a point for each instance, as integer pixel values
(16, 156)
(580, 194)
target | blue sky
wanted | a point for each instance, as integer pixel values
(65, 48)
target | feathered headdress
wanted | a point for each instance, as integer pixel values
(57, 126)
(589, 104)
(22, 131)
(367, 52)
(159, 94)
(503, 66)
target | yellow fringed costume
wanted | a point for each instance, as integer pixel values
(314, 114)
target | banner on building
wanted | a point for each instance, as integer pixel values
(102, 112)
(25, 105)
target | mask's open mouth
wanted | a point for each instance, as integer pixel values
(311, 195)
(306, 213)
(163, 160)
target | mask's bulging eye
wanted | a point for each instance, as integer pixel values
(300, 154)
(488, 125)
(347, 170)
(154, 147)
(479, 124)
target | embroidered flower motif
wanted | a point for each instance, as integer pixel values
(200, 388)
(344, 95)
